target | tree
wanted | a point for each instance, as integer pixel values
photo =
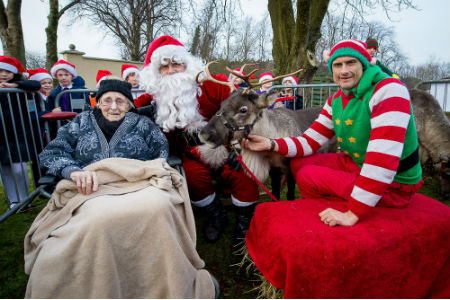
(11, 31)
(52, 30)
(35, 60)
(132, 23)
(295, 37)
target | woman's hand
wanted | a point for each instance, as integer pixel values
(8, 85)
(257, 143)
(334, 217)
(86, 181)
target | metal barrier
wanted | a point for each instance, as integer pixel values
(440, 91)
(21, 140)
(313, 94)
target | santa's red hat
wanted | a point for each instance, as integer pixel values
(11, 64)
(265, 76)
(165, 46)
(101, 75)
(63, 65)
(39, 74)
(128, 69)
(292, 79)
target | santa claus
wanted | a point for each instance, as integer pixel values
(182, 108)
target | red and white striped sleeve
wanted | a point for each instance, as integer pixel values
(390, 116)
(312, 139)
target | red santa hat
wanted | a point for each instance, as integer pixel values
(11, 64)
(39, 74)
(265, 76)
(164, 46)
(292, 79)
(63, 65)
(128, 69)
(101, 75)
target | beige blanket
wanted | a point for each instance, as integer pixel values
(134, 238)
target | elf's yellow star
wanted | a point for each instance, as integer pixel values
(356, 155)
(338, 121)
(348, 122)
(339, 139)
(352, 139)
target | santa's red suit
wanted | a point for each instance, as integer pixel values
(200, 176)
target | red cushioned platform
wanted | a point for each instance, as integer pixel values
(391, 253)
(64, 115)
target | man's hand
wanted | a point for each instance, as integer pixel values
(334, 217)
(8, 85)
(257, 143)
(57, 109)
(86, 181)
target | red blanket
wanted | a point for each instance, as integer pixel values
(391, 253)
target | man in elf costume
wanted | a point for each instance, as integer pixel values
(182, 107)
(372, 119)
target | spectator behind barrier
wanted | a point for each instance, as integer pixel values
(14, 169)
(68, 79)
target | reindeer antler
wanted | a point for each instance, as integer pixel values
(209, 77)
(246, 78)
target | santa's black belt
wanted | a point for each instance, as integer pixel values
(190, 139)
(409, 161)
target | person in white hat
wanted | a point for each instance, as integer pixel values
(68, 79)
(182, 109)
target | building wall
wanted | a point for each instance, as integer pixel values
(87, 67)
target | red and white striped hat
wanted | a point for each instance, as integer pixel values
(63, 65)
(39, 74)
(11, 64)
(128, 69)
(349, 47)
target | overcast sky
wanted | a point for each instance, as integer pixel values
(420, 34)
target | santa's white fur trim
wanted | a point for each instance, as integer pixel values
(265, 77)
(8, 67)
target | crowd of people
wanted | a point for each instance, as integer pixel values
(370, 116)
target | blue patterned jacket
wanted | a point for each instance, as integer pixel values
(81, 142)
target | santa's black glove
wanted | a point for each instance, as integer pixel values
(232, 161)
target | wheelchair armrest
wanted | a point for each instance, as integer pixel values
(174, 161)
(48, 180)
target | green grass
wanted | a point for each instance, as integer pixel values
(220, 258)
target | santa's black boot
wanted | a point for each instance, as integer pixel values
(243, 217)
(217, 220)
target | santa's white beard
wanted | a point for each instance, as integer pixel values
(176, 100)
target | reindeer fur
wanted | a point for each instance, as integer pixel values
(276, 123)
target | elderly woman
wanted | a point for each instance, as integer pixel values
(120, 225)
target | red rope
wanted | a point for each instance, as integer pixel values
(239, 158)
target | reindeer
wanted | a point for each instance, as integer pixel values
(433, 132)
(245, 112)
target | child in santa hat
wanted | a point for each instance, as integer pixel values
(265, 87)
(68, 79)
(237, 81)
(14, 143)
(46, 80)
(130, 73)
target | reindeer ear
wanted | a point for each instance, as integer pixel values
(266, 100)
